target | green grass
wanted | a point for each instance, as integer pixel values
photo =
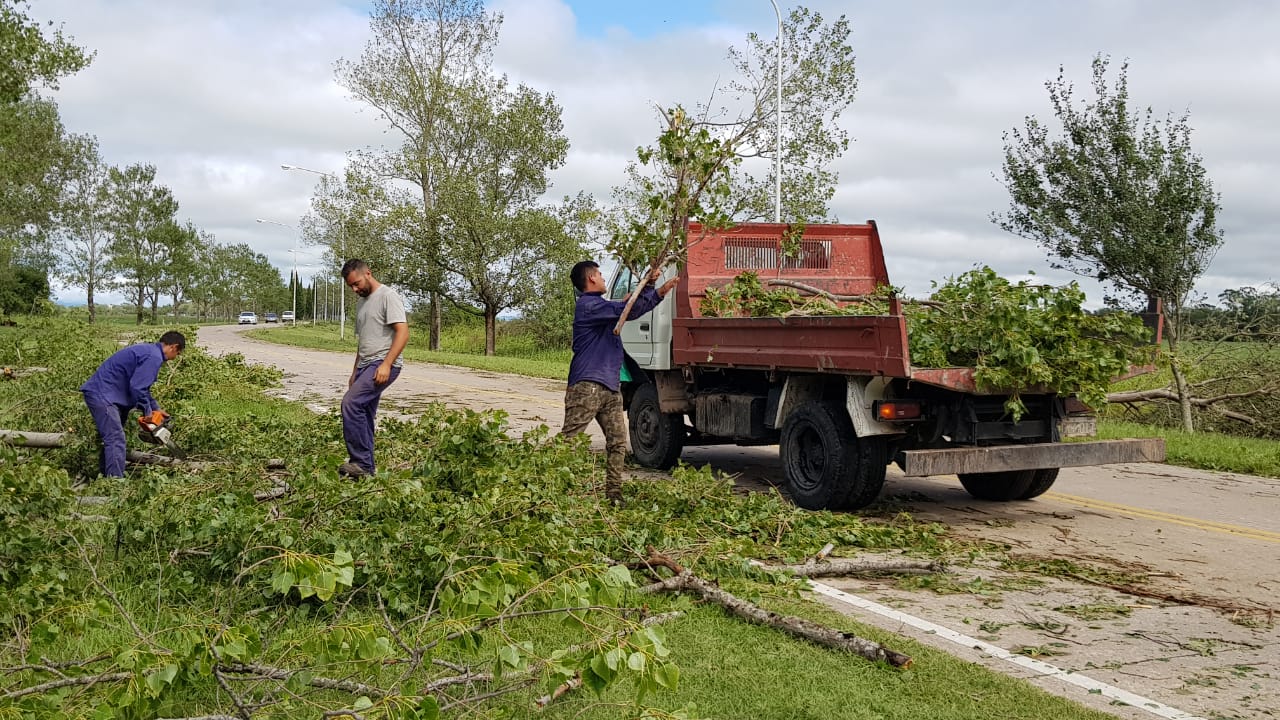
(1204, 450)
(460, 347)
(730, 669)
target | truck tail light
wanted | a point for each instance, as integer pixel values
(898, 410)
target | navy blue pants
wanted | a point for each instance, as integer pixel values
(359, 410)
(109, 419)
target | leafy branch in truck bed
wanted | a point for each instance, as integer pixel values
(1016, 336)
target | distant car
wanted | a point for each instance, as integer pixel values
(287, 316)
(270, 317)
(248, 318)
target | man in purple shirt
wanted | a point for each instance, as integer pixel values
(593, 391)
(123, 382)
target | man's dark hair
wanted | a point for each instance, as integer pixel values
(173, 337)
(579, 274)
(353, 265)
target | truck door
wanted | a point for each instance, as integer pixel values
(637, 335)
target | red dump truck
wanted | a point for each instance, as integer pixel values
(837, 394)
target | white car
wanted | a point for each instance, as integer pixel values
(248, 318)
(286, 316)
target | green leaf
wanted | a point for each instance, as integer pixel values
(637, 661)
(298, 681)
(429, 708)
(362, 703)
(509, 655)
(667, 675)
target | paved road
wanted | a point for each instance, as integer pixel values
(1213, 536)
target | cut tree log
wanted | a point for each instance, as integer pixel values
(33, 439)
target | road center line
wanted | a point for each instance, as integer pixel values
(1037, 666)
(1209, 525)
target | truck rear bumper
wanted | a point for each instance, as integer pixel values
(950, 461)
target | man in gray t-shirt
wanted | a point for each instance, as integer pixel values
(382, 331)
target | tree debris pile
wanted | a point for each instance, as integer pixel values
(479, 572)
(1015, 335)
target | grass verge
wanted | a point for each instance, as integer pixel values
(515, 356)
(1204, 450)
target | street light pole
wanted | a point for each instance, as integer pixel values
(777, 160)
(294, 251)
(342, 249)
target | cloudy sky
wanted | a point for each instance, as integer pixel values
(219, 93)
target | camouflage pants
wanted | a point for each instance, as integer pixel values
(585, 401)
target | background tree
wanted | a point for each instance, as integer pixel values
(705, 166)
(23, 289)
(141, 224)
(29, 57)
(180, 262)
(818, 84)
(419, 51)
(498, 152)
(1118, 196)
(82, 228)
(34, 147)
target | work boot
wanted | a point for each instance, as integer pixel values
(613, 495)
(352, 471)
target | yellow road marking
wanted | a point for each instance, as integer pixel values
(1209, 525)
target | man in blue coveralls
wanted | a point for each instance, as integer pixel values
(123, 382)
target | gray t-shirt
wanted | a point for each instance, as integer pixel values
(375, 317)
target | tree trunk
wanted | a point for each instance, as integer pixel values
(1174, 327)
(437, 316)
(490, 331)
(1184, 394)
(93, 309)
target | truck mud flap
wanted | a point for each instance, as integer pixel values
(999, 458)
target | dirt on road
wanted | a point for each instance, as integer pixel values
(1196, 637)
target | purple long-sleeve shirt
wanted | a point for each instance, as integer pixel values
(597, 352)
(125, 378)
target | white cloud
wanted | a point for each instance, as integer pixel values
(217, 94)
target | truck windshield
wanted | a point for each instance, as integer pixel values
(624, 283)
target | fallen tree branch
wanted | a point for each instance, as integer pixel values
(274, 493)
(575, 682)
(138, 457)
(22, 438)
(323, 683)
(798, 627)
(563, 689)
(812, 290)
(856, 567)
(67, 682)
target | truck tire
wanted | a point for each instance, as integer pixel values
(657, 438)
(827, 466)
(1010, 485)
(998, 486)
(1040, 484)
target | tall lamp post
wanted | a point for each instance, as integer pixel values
(777, 160)
(342, 249)
(294, 252)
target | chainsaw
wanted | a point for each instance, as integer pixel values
(154, 429)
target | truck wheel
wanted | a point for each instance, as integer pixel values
(999, 486)
(827, 466)
(657, 438)
(1040, 484)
